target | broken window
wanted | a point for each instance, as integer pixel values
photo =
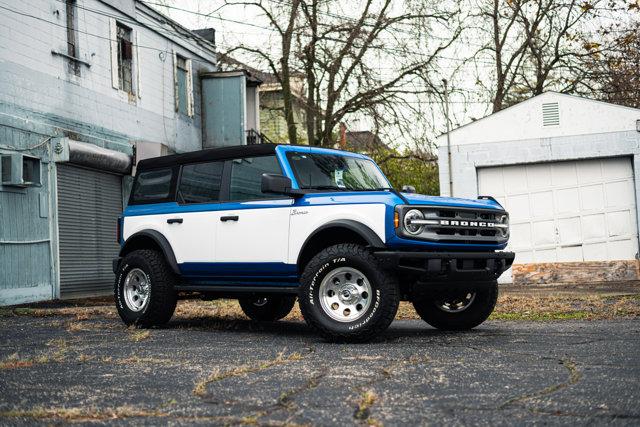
(125, 58)
(72, 46)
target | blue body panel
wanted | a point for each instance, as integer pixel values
(286, 274)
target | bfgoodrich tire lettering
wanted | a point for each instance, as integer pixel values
(378, 314)
(481, 306)
(162, 295)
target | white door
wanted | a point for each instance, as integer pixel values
(254, 232)
(581, 210)
(253, 228)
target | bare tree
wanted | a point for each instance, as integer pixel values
(614, 77)
(537, 45)
(342, 53)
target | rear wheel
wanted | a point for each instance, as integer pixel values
(458, 310)
(267, 309)
(346, 296)
(145, 289)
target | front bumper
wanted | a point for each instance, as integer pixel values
(448, 266)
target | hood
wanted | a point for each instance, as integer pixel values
(422, 199)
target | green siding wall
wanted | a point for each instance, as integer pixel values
(26, 272)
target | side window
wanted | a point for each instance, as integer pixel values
(246, 177)
(200, 182)
(152, 186)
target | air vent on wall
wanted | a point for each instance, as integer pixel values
(550, 114)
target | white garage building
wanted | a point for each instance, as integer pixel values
(563, 167)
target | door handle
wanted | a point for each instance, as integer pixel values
(174, 221)
(229, 218)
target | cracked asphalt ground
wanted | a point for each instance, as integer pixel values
(87, 367)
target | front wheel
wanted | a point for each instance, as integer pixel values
(267, 309)
(145, 289)
(457, 310)
(346, 296)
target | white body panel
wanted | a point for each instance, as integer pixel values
(260, 235)
(305, 220)
(191, 241)
(581, 210)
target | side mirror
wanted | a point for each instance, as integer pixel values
(278, 184)
(408, 189)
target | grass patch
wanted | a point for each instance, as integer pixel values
(200, 388)
(137, 335)
(367, 400)
(81, 414)
(56, 353)
(535, 316)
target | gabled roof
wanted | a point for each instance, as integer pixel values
(525, 120)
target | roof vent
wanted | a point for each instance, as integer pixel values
(550, 114)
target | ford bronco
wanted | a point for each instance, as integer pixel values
(267, 224)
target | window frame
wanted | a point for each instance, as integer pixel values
(114, 24)
(220, 191)
(225, 196)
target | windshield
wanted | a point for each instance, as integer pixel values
(334, 172)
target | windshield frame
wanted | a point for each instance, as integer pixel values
(386, 185)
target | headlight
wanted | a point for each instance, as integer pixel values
(409, 217)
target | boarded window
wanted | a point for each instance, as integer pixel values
(182, 76)
(125, 58)
(72, 41)
(183, 85)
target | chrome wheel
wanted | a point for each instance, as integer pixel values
(456, 304)
(345, 294)
(136, 290)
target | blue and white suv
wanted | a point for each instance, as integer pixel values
(269, 223)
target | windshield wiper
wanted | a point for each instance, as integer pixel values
(325, 187)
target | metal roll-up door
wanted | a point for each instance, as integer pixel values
(89, 203)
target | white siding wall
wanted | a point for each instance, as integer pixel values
(33, 78)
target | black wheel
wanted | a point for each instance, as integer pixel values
(144, 289)
(458, 311)
(267, 309)
(346, 296)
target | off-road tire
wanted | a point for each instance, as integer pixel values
(162, 296)
(274, 307)
(385, 294)
(476, 313)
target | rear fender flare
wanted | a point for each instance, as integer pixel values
(159, 240)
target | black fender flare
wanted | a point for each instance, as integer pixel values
(160, 240)
(370, 236)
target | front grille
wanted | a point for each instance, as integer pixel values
(454, 225)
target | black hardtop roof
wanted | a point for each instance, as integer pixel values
(222, 153)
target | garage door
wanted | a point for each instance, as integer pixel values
(89, 203)
(567, 211)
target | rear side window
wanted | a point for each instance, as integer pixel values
(246, 177)
(152, 186)
(200, 182)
